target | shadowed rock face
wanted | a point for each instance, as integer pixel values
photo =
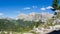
(55, 32)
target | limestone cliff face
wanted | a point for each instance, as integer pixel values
(58, 14)
(57, 17)
(35, 16)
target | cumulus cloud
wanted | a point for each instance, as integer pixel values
(43, 8)
(49, 7)
(27, 8)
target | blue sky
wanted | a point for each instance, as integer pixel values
(12, 8)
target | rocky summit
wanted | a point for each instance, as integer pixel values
(35, 16)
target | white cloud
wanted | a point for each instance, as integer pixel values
(27, 8)
(49, 7)
(42, 8)
(34, 6)
(1, 14)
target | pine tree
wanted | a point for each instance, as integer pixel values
(55, 5)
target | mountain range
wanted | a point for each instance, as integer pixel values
(35, 16)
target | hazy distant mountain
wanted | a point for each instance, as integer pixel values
(34, 16)
(21, 16)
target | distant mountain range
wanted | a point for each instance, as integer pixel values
(35, 16)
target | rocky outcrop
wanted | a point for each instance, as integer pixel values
(35, 16)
